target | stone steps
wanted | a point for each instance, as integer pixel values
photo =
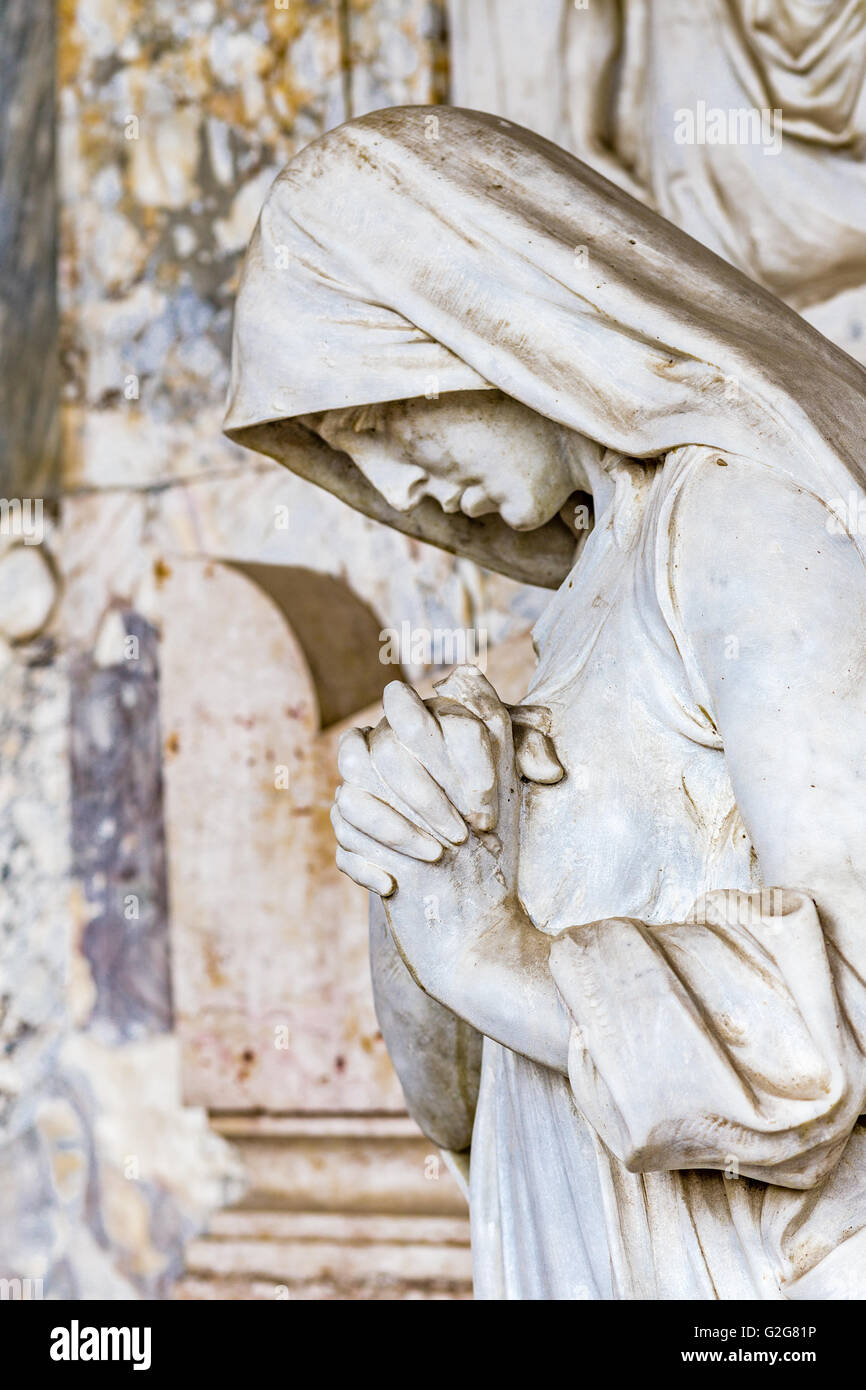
(360, 1208)
(278, 1254)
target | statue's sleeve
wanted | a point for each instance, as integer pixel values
(437, 1057)
(735, 1039)
(719, 1042)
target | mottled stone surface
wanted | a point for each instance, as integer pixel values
(34, 869)
(398, 53)
(29, 379)
(103, 1173)
(100, 1190)
(118, 842)
(172, 123)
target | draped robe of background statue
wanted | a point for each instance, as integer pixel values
(697, 875)
(666, 98)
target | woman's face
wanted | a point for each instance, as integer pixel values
(473, 451)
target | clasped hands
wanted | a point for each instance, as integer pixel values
(427, 817)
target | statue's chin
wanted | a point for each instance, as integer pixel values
(525, 518)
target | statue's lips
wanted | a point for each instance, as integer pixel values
(478, 503)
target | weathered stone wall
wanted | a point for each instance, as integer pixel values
(130, 985)
(28, 250)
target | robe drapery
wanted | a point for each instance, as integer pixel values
(429, 249)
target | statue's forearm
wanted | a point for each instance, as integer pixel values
(437, 1056)
(506, 990)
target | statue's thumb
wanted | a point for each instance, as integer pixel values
(534, 752)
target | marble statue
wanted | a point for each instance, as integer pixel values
(620, 958)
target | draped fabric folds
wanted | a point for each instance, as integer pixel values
(423, 250)
(698, 1009)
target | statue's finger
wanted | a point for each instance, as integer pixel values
(471, 755)
(535, 756)
(470, 688)
(356, 766)
(354, 762)
(535, 716)
(416, 791)
(349, 837)
(366, 875)
(351, 840)
(417, 728)
(385, 825)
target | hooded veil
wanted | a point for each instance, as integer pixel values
(432, 249)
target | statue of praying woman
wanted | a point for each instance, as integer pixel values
(619, 951)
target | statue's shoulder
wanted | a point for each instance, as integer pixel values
(719, 503)
(746, 538)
